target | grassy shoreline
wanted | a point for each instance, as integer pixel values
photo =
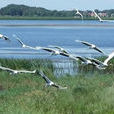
(45, 18)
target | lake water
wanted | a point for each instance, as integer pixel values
(55, 32)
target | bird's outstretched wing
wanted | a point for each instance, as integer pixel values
(81, 15)
(101, 20)
(49, 81)
(26, 46)
(58, 86)
(69, 55)
(92, 45)
(26, 71)
(48, 49)
(20, 41)
(81, 58)
(60, 48)
(99, 50)
(45, 77)
(96, 15)
(78, 13)
(83, 42)
(96, 61)
(64, 54)
(23, 45)
(6, 69)
(109, 58)
(16, 71)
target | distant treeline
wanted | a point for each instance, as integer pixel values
(22, 10)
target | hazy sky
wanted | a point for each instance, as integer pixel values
(63, 4)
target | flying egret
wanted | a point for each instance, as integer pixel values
(58, 47)
(96, 15)
(101, 20)
(16, 71)
(73, 57)
(85, 60)
(53, 51)
(49, 82)
(78, 13)
(104, 64)
(26, 46)
(91, 46)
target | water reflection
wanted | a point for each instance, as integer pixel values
(65, 66)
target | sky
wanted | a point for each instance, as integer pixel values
(63, 4)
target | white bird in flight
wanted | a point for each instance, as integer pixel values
(4, 37)
(91, 46)
(78, 13)
(60, 48)
(12, 71)
(58, 52)
(54, 52)
(49, 82)
(85, 61)
(101, 20)
(26, 46)
(73, 57)
(104, 64)
(96, 15)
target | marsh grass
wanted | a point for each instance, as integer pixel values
(87, 93)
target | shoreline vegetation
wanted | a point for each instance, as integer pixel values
(87, 93)
(46, 18)
(23, 12)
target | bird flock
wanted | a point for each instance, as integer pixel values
(57, 50)
(60, 51)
